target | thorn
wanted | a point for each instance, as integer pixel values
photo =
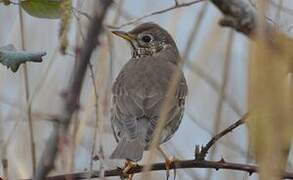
(196, 151)
(96, 158)
(250, 173)
(222, 160)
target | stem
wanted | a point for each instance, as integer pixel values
(27, 92)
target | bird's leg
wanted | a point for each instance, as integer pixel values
(168, 161)
(128, 165)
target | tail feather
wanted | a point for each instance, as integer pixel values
(131, 150)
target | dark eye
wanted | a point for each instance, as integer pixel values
(146, 38)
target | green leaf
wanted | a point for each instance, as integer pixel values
(13, 59)
(49, 9)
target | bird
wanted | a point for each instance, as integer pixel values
(141, 88)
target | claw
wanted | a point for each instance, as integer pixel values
(127, 167)
(168, 164)
(130, 176)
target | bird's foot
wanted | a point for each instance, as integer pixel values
(127, 167)
(169, 161)
(168, 165)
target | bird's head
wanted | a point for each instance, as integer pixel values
(147, 39)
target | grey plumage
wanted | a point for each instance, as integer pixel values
(140, 89)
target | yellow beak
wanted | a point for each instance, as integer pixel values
(124, 35)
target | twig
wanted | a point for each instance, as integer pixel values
(176, 2)
(194, 31)
(176, 6)
(222, 92)
(81, 12)
(96, 127)
(71, 97)
(27, 96)
(202, 152)
(72, 144)
(217, 165)
(3, 152)
(230, 144)
(111, 47)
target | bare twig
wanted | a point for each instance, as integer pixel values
(27, 95)
(71, 97)
(230, 144)
(176, 6)
(194, 31)
(111, 47)
(221, 99)
(176, 2)
(201, 153)
(217, 165)
(96, 119)
(82, 13)
(3, 152)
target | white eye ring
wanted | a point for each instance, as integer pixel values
(146, 38)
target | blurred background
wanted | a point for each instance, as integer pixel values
(215, 68)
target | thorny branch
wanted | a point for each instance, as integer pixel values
(201, 153)
(72, 95)
(193, 163)
(198, 162)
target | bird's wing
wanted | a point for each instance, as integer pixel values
(127, 104)
(174, 111)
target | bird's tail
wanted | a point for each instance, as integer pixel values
(131, 150)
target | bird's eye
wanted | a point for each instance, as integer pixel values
(146, 38)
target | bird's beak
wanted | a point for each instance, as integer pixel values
(124, 35)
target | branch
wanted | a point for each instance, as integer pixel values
(217, 165)
(71, 97)
(176, 6)
(239, 14)
(200, 154)
(178, 164)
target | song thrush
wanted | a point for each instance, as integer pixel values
(141, 88)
